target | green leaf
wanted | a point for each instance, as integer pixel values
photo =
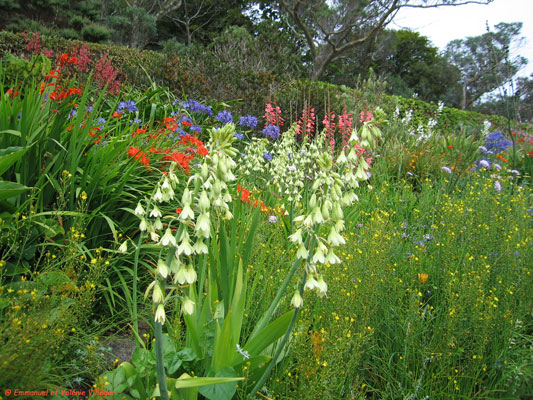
(237, 305)
(269, 334)
(221, 391)
(11, 132)
(11, 189)
(186, 381)
(10, 156)
(224, 350)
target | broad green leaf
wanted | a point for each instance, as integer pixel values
(186, 381)
(269, 334)
(11, 132)
(237, 305)
(11, 189)
(224, 350)
(10, 156)
(221, 391)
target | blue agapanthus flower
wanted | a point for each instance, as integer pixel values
(196, 128)
(224, 117)
(248, 120)
(271, 131)
(197, 107)
(495, 143)
(129, 106)
(239, 136)
(267, 156)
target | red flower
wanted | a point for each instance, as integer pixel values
(178, 210)
(63, 58)
(116, 114)
(181, 158)
(245, 194)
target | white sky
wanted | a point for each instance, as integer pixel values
(444, 24)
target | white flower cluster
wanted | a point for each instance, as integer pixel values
(319, 227)
(205, 192)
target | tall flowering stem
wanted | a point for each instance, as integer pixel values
(205, 193)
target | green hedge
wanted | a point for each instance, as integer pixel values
(205, 79)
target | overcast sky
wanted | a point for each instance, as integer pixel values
(444, 24)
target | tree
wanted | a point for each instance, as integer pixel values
(484, 61)
(514, 102)
(72, 19)
(331, 28)
(135, 21)
(198, 21)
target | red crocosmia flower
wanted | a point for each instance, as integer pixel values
(72, 60)
(178, 210)
(239, 188)
(132, 151)
(144, 160)
(263, 207)
(181, 158)
(69, 128)
(116, 114)
(203, 151)
(245, 194)
(139, 131)
(186, 123)
(72, 91)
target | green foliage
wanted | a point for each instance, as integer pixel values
(95, 33)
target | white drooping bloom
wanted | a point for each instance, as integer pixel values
(139, 210)
(160, 314)
(168, 238)
(297, 300)
(187, 306)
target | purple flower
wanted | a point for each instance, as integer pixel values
(239, 136)
(197, 107)
(497, 166)
(271, 131)
(73, 113)
(498, 186)
(447, 169)
(267, 156)
(249, 121)
(127, 105)
(484, 164)
(410, 173)
(272, 219)
(224, 116)
(291, 168)
(514, 171)
(196, 128)
(496, 143)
